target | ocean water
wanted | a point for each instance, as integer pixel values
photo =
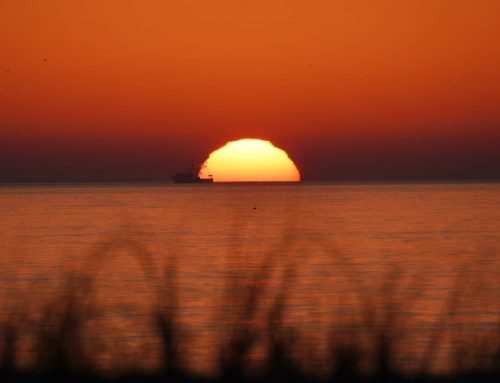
(336, 259)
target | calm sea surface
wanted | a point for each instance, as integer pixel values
(331, 255)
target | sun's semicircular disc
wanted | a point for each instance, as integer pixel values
(250, 160)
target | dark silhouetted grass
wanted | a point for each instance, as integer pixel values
(363, 347)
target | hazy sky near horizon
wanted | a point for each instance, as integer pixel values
(114, 90)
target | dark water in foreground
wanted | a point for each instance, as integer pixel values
(331, 264)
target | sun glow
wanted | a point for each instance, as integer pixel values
(250, 160)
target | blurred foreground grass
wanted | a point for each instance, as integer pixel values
(372, 342)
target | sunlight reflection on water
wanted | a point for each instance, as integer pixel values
(354, 250)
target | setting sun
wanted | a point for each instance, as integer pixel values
(250, 160)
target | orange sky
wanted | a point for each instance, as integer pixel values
(301, 73)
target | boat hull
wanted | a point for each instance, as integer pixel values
(181, 179)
